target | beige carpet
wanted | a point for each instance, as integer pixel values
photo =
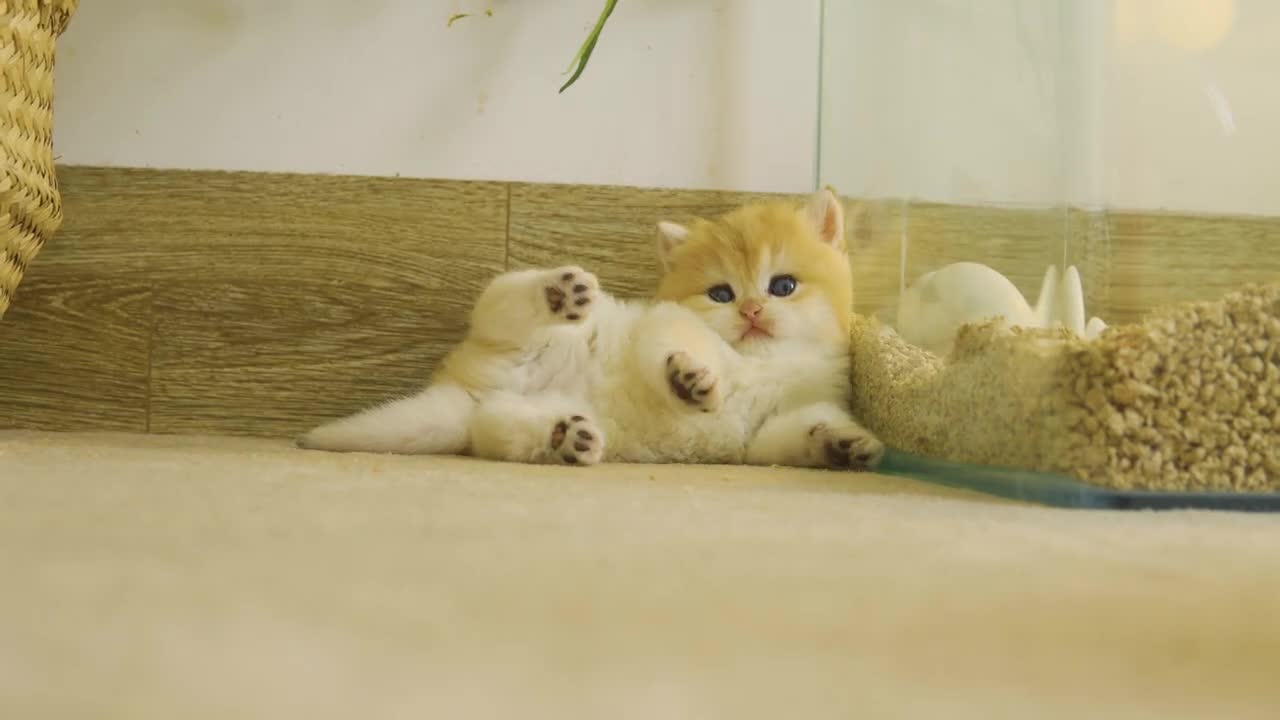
(165, 577)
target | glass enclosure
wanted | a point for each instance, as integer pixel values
(1077, 164)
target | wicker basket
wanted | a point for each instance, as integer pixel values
(30, 206)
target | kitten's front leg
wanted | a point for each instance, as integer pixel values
(549, 429)
(683, 360)
(693, 383)
(818, 435)
(517, 304)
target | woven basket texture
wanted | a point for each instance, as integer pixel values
(30, 205)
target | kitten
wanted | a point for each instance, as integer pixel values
(742, 358)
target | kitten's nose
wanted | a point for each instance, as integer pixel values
(750, 309)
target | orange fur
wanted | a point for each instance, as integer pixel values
(745, 248)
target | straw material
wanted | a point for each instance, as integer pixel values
(30, 206)
(1186, 400)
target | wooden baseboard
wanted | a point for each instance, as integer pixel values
(259, 304)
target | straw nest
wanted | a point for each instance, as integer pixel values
(30, 205)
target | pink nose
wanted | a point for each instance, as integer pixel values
(750, 309)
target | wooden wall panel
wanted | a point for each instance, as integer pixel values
(73, 354)
(259, 304)
(1020, 243)
(874, 232)
(1162, 258)
(272, 359)
(278, 299)
(1088, 247)
(179, 225)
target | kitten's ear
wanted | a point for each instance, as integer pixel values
(827, 215)
(670, 236)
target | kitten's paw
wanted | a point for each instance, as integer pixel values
(692, 382)
(845, 445)
(576, 441)
(570, 293)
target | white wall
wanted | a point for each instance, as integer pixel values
(1149, 104)
(943, 100)
(1193, 105)
(685, 93)
(1132, 103)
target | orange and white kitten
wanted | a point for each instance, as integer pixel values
(742, 358)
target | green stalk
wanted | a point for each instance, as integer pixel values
(588, 46)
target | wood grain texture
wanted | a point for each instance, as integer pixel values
(1157, 258)
(329, 294)
(236, 226)
(1088, 248)
(73, 355)
(279, 299)
(272, 360)
(874, 233)
(1018, 242)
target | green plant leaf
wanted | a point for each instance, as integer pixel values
(579, 62)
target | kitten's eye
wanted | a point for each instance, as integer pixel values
(782, 285)
(721, 293)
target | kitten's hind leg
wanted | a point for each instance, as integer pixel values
(433, 422)
(818, 435)
(548, 429)
(517, 303)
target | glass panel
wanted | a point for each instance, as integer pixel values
(1081, 171)
(963, 121)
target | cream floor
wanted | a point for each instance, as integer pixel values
(178, 577)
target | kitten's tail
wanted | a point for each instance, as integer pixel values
(433, 422)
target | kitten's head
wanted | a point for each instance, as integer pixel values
(763, 274)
